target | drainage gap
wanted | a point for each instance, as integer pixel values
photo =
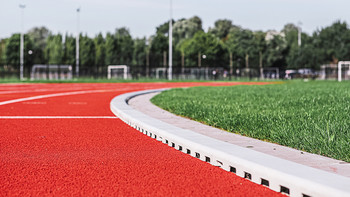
(188, 151)
(207, 159)
(180, 148)
(233, 169)
(173, 144)
(284, 190)
(265, 182)
(166, 141)
(198, 155)
(247, 176)
(304, 195)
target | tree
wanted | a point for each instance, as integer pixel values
(54, 49)
(124, 46)
(276, 51)
(221, 28)
(140, 51)
(39, 37)
(159, 45)
(260, 43)
(204, 44)
(69, 50)
(241, 41)
(334, 42)
(100, 51)
(12, 51)
(111, 49)
(2, 51)
(186, 28)
(87, 53)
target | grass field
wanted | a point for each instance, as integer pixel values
(310, 116)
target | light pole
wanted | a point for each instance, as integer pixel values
(77, 46)
(21, 58)
(170, 71)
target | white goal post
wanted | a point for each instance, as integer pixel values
(51, 72)
(118, 67)
(340, 63)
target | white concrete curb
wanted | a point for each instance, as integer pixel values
(277, 174)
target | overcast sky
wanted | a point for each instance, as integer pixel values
(143, 16)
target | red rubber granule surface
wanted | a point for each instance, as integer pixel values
(100, 157)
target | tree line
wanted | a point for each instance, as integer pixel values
(223, 45)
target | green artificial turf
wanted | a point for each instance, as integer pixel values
(310, 116)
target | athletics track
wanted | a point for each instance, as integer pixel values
(63, 140)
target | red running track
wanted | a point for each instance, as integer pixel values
(97, 156)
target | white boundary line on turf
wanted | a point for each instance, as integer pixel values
(52, 95)
(277, 174)
(58, 117)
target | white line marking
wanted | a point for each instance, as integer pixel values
(51, 95)
(58, 117)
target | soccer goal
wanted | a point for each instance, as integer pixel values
(343, 70)
(271, 73)
(51, 72)
(161, 73)
(117, 71)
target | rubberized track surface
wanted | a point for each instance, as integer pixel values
(99, 155)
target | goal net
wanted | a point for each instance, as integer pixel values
(343, 70)
(117, 72)
(340, 71)
(161, 73)
(51, 72)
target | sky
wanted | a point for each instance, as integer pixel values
(142, 17)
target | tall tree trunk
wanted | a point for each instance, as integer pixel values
(182, 63)
(199, 59)
(231, 64)
(261, 65)
(246, 60)
(147, 64)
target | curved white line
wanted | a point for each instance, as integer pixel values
(51, 95)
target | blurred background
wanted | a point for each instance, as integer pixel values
(211, 40)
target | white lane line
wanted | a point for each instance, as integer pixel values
(52, 95)
(58, 117)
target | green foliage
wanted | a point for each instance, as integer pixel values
(87, 52)
(309, 116)
(221, 28)
(159, 44)
(100, 47)
(54, 49)
(124, 48)
(225, 44)
(2, 51)
(12, 51)
(186, 28)
(111, 49)
(204, 44)
(335, 42)
(69, 50)
(39, 37)
(276, 51)
(140, 51)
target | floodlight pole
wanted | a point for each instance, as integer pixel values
(21, 60)
(77, 46)
(170, 42)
